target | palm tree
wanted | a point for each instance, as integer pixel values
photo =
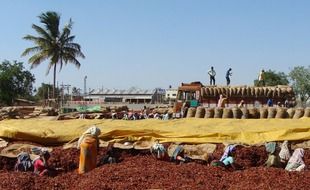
(52, 44)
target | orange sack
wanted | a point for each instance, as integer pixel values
(88, 154)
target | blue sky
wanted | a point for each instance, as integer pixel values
(157, 43)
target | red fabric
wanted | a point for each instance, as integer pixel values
(39, 166)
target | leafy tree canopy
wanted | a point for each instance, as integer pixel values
(45, 91)
(300, 77)
(15, 82)
(273, 78)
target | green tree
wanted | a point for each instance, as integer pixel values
(15, 82)
(272, 78)
(45, 91)
(300, 77)
(53, 44)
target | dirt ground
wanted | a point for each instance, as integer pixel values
(138, 170)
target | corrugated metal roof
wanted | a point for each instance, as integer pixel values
(132, 90)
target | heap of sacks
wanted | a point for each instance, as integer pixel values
(248, 91)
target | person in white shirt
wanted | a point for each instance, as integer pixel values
(212, 74)
(261, 78)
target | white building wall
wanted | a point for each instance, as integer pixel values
(171, 94)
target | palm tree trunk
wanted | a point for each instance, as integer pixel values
(54, 84)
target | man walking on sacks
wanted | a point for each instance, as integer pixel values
(212, 74)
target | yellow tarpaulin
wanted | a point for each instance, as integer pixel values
(249, 131)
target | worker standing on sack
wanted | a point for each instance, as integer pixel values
(88, 144)
(212, 74)
(261, 78)
(228, 74)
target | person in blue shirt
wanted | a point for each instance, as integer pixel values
(227, 160)
(269, 102)
(228, 74)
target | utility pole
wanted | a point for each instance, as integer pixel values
(63, 86)
(85, 89)
(48, 92)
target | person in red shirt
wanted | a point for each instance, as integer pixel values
(40, 164)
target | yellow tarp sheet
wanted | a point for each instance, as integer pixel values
(250, 131)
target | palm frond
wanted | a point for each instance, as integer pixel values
(49, 67)
(74, 46)
(68, 27)
(70, 39)
(32, 50)
(69, 58)
(73, 51)
(43, 33)
(39, 41)
(36, 59)
(65, 35)
(51, 22)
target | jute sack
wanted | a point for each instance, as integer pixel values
(281, 113)
(279, 92)
(207, 91)
(263, 113)
(283, 91)
(272, 112)
(237, 113)
(219, 90)
(218, 112)
(289, 90)
(227, 113)
(261, 91)
(231, 91)
(223, 90)
(211, 91)
(235, 91)
(209, 113)
(248, 91)
(243, 91)
(191, 112)
(239, 91)
(307, 112)
(227, 92)
(269, 94)
(256, 91)
(290, 113)
(253, 113)
(274, 93)
(252, 91)
(299, 112)
(216, 92)
(200, 112)
(203, 93)
(266, 90)
(245, 113)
